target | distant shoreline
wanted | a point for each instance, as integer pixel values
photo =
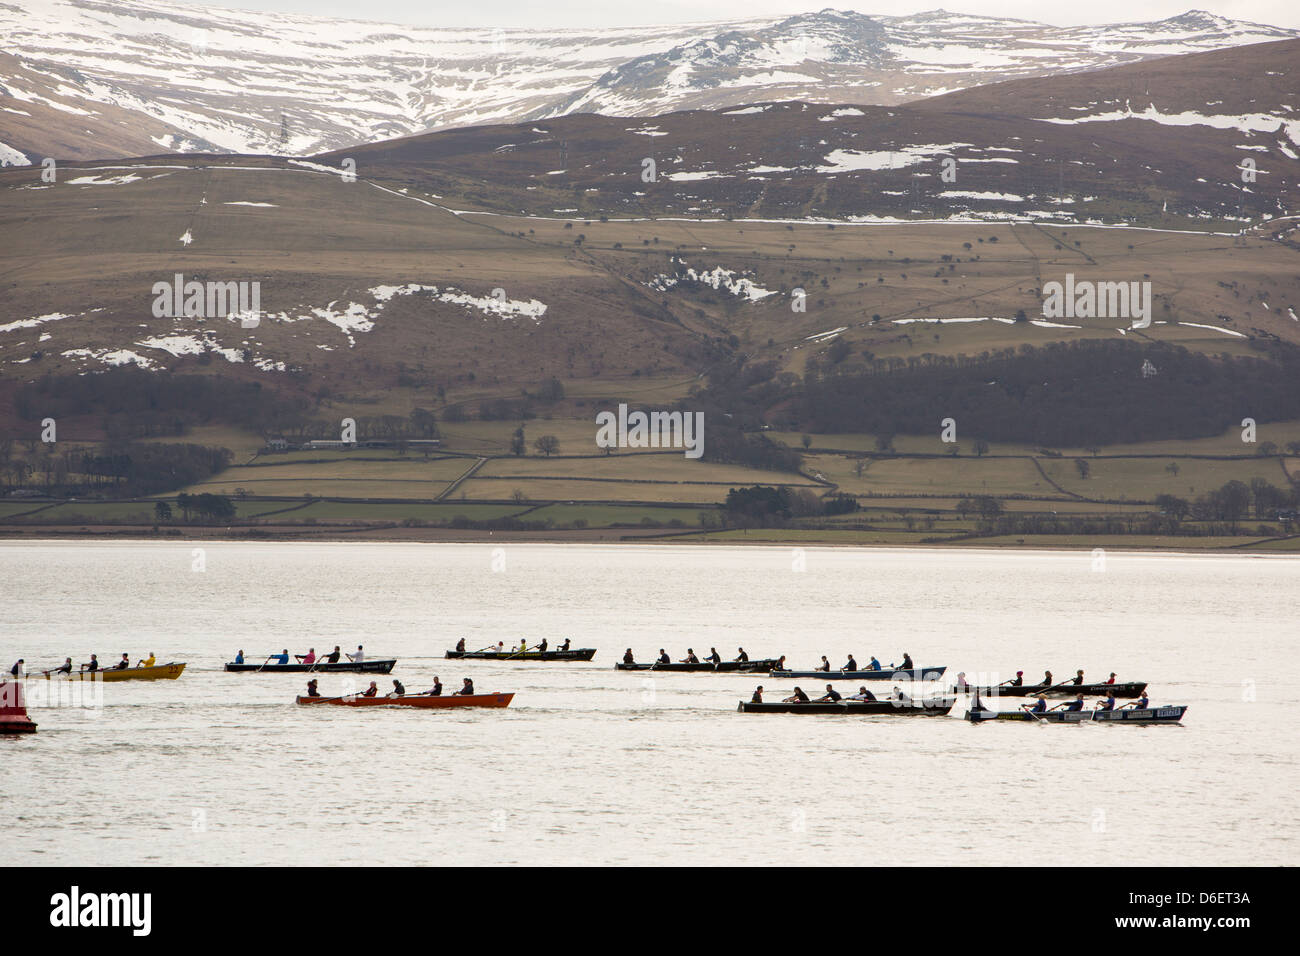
(753, 538)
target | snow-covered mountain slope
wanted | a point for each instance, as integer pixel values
(134, 73)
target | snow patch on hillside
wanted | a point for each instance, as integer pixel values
(725, 280)
(850, 160)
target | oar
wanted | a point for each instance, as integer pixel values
(1048, 690)
(264, 663)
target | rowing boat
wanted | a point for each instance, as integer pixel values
(365, 667)
(1151, 715)
(1133, 689)
(577, 654)
(110, 675)
(912, 673)
(891, 708)
(726, 667)
(416, 700)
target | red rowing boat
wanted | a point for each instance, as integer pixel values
(416, 700)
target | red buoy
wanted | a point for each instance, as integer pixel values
(13, 712)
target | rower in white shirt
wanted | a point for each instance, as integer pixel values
(359, 656)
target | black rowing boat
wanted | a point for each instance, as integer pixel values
(726, 667)
(577, 654)
(889, 673)
(890, 708)
(1151, 715)
(364, 667)
(1131, 690)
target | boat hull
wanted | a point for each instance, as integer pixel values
(913, 673)
(882, 708)
(1152, 715)
(1129, 691)
(416, 700)
(704, 667)
(365, 667)
(577, 654)
(109, 676)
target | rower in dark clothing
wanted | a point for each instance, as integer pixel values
(663, 657)
(1076, 704)
(398, 689)
(1039, 706)
(825, 665)
(758, 695)
(1108, 703)
(1142, 703)
(690, 657)
(798, 697)
(743, 656)
(851, 665)
(311, 688)
(460, 646)
(628, 658)
(333, 656)
(467, 690)
(1077, 679)
(92, 666)
(863, 694)
(542, 646)
(371, 691)
(907, 662)
(714, 657)
(565, 645)
(437, 687)
(1019, 680)
(1047, 679)
(831, 695)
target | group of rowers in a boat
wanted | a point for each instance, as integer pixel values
(1039, 706)
(399, 690)
(19, 669)
(832, 695)
(690, 658)
(500, 647)
(310, 657)
(872, 665)
(1019, 680)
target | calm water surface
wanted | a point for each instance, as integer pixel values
(594, 766)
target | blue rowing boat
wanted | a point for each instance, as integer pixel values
(912, 673)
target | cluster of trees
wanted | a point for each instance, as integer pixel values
(1064, 394)
(1232, 502)
(1075, 394)
(725, 442)
(983, 505)
(508, 409)
(764, 505)
(203, 506)
(118, 469)
(131, 402)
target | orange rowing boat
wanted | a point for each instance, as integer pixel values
(416, 700)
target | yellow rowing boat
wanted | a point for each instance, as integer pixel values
(108, 675)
